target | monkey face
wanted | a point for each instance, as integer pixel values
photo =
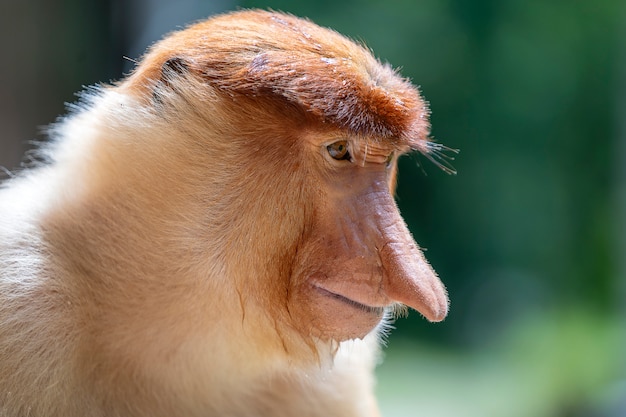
(359, 259)
(304, 129)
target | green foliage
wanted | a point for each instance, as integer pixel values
(565, 363)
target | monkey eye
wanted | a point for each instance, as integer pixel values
(339, 151)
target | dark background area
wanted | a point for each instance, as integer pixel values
(529, 237)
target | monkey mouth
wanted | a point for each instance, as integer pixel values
(375, 311)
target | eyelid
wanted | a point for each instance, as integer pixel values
(339, 150)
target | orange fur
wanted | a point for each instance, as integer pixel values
(192, 250)
(328, 76)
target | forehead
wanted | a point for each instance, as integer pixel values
(328, 76)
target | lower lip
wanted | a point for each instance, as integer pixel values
(377, 311)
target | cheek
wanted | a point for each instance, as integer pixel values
(334, 293)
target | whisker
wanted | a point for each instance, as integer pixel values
(440, 155)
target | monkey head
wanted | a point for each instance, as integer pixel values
(308, 127)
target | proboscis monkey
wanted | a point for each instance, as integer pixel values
(215, 235)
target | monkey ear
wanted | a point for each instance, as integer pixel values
(174, 66)
(171, 69)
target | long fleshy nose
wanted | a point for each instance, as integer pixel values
(408, 278)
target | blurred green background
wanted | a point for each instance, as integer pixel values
(529, 237)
